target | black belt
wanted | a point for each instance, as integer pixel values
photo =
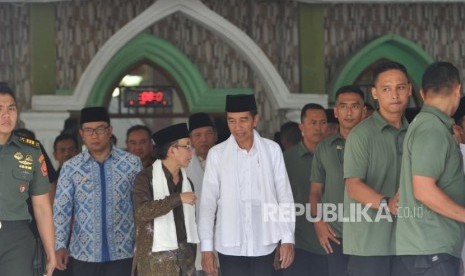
(13, 223)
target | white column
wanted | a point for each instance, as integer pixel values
(293, 115)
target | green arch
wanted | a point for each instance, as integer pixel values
(392, 47)
(146, 47)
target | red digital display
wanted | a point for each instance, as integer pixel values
(148, 96)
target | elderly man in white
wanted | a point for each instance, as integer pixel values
(244, 177)
(203, 137)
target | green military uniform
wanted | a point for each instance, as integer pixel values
(298, 162)
(23, 173)
(430, 150)
(327, 169)
(373, 153)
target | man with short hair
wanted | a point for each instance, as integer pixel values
(290, 135)
(94, 197)
(327, 180)
(372, 161)
(432, 180)
(370, 109)
(244, 179)
(138, 142)
(309, 256)
(24, 176)
(333, 123)
(65, 147)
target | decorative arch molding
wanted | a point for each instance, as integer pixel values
(278, 93)
(392, 47)
(167, 56)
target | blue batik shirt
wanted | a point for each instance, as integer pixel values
(95, 199)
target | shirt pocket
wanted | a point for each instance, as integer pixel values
(22, 179)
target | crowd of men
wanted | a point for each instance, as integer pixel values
(359, 194)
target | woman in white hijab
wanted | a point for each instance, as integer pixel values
(166, 232)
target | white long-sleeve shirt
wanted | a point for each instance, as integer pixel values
(195, 172)
(250, 201)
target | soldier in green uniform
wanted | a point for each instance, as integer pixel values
(310, 258)
(23, 174)
(372, 159)
(327, 180)
(430, 228)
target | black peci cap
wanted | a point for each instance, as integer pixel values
(240, 103)
(198, 120)
(94, 114)
(170, 134)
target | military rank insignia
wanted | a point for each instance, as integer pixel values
(18, 155)
(25, 163)
(30, 142)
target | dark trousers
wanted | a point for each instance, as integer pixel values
(427, 265)
(369, 265)
(17, 246)
(246, 266)
(113, 268)
(337, 261)
(307, 264)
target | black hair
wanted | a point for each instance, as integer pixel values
(386, 66)
(440, 76)
(290, 131)
(369, 106)
(5, 89)
(138, 127)
(350, 89)
(310, 106)
(63, 137)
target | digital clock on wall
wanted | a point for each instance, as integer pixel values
(148, 96)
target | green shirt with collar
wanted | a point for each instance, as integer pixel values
(298, 160)
(327, 169)
(431, 151)
(373, 153)
(23, 173)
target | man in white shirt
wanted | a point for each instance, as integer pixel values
(203, 137)
(246, 206)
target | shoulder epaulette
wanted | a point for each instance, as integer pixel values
(29, 141)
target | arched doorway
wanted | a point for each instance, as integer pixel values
(155, 57)
(389, 47)
(146, 48)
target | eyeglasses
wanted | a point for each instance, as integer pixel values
(91, 131)
(187, 147)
